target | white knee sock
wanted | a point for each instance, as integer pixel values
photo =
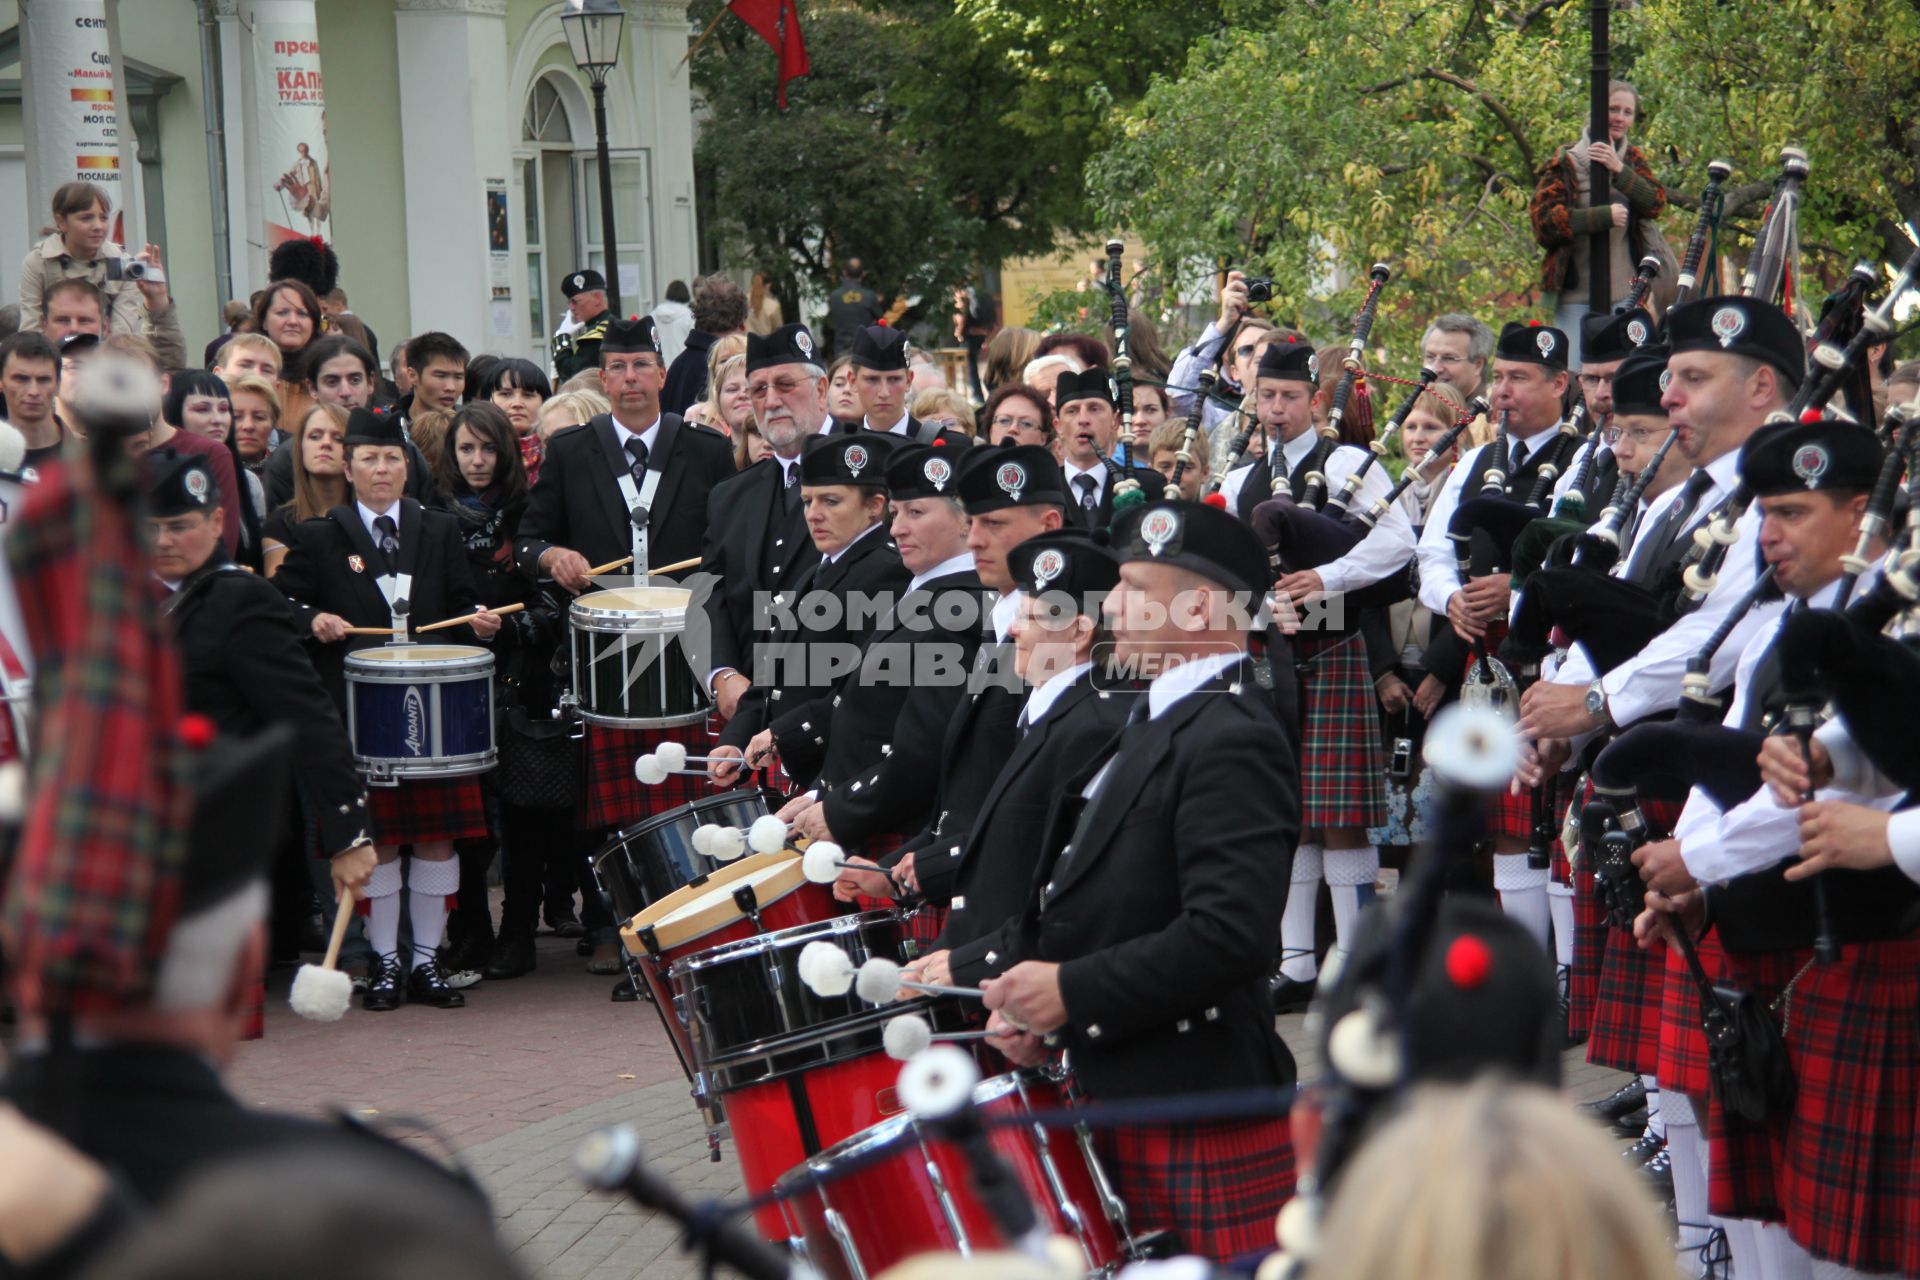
(429, 886)
(1560, 907)
(1523, 893)
(1656, 1111)
(1296, 922)
(1346, 871)
(1781, 1257)
(1687, 1149)
(383, 909)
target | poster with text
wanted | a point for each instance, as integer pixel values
(291, 122)
(76, 122)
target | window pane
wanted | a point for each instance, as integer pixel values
(530, 198)
(629, 199)
(536, 298)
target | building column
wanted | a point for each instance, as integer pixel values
(663, 95)
(456, 132)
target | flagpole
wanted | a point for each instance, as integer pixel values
(695, 46)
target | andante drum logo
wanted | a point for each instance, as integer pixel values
(414, 708)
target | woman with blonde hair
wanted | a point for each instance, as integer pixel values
(1490, 1181)
(319, 480)
(943, 408)
(724, 405)
(571, 409)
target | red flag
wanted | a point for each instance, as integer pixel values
(778, 23)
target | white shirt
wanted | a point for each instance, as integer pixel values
(1858, 775)
(1439, 563)
(1649, 681)
(1388, 545)
(962, 563)
(1041, 700)
(623, 433)
(897, 429)
(1005, 610)
(1753, 835)
(368, 515)
(1186, 373)
(1072, 471)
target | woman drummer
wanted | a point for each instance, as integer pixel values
(383, 561)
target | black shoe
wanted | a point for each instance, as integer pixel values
(1658, 1172)
(511, 957)
(623, 992)
(426, 986)
(468, 953)
(1290, 995)
(1644, 1150)
(315, 932)
(583, 946)
(564, 923)
(1632, 1124)
(383, 985)
(1626, 1098)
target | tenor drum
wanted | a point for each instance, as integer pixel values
(420, 711)
(629, 658)
(650, 859)
(898, 1189)
(761, 893)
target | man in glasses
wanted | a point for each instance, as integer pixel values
(1605, 341)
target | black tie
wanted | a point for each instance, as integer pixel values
(1086, 484)
(1658, 538)
(389, 538)
(637, 450)
(790, 489)
(1516, 457)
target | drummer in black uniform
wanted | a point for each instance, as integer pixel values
(241, 657)
(1156, 905)
(386, 561)
(1066, 718)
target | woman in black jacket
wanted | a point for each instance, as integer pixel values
(485, 481)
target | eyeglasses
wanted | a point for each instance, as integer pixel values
(784, 386)
(625, 369)
(1006, 422)
(1594, 381)
(1435, 360)
(943, 424)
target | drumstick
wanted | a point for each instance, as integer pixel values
(321, 992)
(443, 624)
(624, 561)
(371, 631)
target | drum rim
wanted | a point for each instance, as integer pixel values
(661, 821)
(864, 1033)
(854, 922)
(818, 1166)
(787, 880)
(584, 614)
(474, 661)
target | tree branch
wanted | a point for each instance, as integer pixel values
(1545, 7)
(1486, 99)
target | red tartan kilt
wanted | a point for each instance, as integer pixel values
(1683, 1044)
(615, 798)
(1511, 815)
(1849, 1175)
(1218, 1186)
(1626, 1012)
(426, 810)
(1589, 952)
(1743, 1173)
(1343, 765)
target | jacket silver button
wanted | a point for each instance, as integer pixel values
(1093, 1032)
(959, 904)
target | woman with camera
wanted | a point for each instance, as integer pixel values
(77, 244)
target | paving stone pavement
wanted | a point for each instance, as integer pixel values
(512, 1083)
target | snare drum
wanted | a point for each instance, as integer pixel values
(855, 1222)
(630, 666)
(650, 859)
(420, 711)
(762, 893)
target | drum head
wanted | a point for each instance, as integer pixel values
(700, 908)
(411, 654)
(632, 602)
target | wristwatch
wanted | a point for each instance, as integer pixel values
(1596, 703)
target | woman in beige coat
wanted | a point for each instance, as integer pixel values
(78, 246)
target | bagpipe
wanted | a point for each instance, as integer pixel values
(1314, 465)
(1126, 490)
(1208, 379)
(1713, 203)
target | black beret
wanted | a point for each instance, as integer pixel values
(1606, 338)
(179, 484)
(878, 347)
(1066, 567)
(1797, 457)
(789, 344)
(859, 458)
(1094, 384)
(1740, 326)
(374, 426)
(1640, 381)
(1290, 360)
(1533, 343)
(586, 280)
(636, 335)
(1197, 537)
(926, 470)
(1015, 475)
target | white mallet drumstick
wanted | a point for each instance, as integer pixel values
(321, 992)
(767, 834)
(910, 1034)
(826, 969)
(880, 982)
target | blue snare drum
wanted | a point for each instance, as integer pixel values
(420, 711)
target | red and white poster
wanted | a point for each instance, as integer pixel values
(290, 107)
(74, 121)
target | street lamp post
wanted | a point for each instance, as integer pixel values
(593, 34)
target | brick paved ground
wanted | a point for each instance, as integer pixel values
(516, 1079)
